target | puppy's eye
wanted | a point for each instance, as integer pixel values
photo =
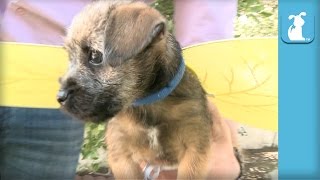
(95, 57)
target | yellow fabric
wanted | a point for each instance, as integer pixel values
(29, 75)
(243, 77)
(241, 74)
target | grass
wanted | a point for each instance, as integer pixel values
(255, 18)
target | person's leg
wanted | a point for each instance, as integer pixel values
(38, 144)
(3, 5)
(198, 21)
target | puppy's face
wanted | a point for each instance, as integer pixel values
(114, 51)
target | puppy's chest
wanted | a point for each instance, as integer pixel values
(150, 144)
(153, 147)
(147, 143)
(152, 139)
(156, 144)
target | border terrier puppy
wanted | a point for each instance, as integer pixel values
(126, 69)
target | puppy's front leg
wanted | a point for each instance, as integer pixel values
(124, 167)
(193, 165)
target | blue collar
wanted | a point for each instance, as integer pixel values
(164, 92)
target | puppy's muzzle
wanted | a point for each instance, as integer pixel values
(63, 95)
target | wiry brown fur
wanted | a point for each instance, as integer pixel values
(139, 57)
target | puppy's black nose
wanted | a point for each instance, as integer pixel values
(63, 95)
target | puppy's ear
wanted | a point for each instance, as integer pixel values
(131, 28)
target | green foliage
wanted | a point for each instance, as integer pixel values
(94, 138)
(257, 18)
(90, 159)
(166, 8)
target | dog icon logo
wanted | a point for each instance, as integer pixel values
(297, 27)
(295, 30)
